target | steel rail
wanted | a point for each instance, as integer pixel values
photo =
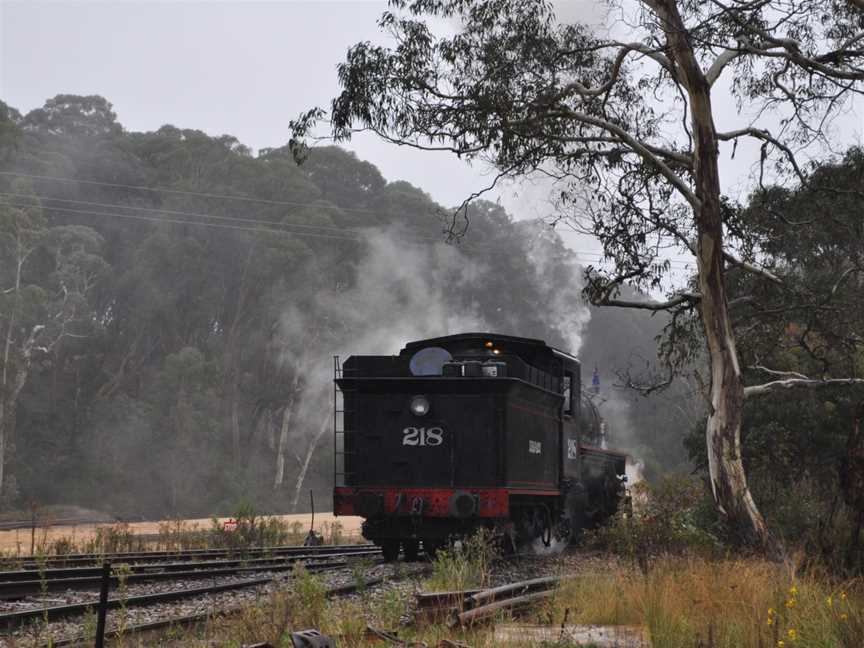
(180, 554)
(192, 619)
(13, 619)
(24, 588)
(53, 573)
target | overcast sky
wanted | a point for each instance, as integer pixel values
(245, 69)
(242, 68)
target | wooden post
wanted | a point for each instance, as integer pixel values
(103, 604)
(32, 528)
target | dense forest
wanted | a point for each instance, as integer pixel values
(171, 305)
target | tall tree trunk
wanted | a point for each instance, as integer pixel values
(281, 445)
(235, 427)
(301, 477)
(232, 362)
(4, 376)
(723, 431)
(2, 442)
(284, 429)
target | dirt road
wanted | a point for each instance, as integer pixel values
(18, 540)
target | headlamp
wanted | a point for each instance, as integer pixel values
(419, 406)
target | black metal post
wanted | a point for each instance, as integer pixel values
(103, 604)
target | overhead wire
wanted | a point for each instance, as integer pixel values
(182, 192)
(172, 212)
(175, 221)
(588, 256)
(228, 226)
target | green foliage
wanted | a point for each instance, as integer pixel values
(187, 345)
(308, 599)
(671, 516)
(466, 565)
(251, 530)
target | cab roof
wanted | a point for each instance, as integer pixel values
(533, 351)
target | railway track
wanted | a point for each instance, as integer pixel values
(192, 619)
(23, 583)
(26, 620)
(70, 560)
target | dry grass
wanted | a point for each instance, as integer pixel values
(722, 604)
(682, 602)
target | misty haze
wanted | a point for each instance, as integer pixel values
(337, 313)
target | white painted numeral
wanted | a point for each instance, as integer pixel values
(412, 436)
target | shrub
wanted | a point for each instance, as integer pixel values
(668, 517)
(252, 530)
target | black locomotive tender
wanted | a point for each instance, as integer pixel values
(468, 431)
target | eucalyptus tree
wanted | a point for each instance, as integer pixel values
(47, 278)
(634, 120)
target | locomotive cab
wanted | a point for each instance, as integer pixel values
(461, 432)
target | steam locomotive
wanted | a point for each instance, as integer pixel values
(467, 431)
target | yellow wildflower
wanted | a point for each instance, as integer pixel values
(793, 634)
(829, 601)
(790, 603)
(780, 643)
(842, 596)
(844, 616)
(771, 612)
(770, 621)
(793, 590)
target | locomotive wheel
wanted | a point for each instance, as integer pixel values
(390, 549)
(411, 549)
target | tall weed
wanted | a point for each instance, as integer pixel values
(464, 567)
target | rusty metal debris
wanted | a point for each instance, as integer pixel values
(466, 607)
(437, 605)
(486, 611)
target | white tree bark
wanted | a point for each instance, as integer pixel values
(726, 391)
(301, 477)
(799, 383)
(285, 429)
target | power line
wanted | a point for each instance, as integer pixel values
(181, 192)
(174, 221)
(239, 223)
(173, 212)
(598, 256)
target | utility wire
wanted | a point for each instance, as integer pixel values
(271, 230)
(269, 226)
(180, 192)
(175, 221)
(172, 212)
(595, 257)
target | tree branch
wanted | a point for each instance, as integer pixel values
(753, 269)
(683, 298)
(795, 383)
(779, 374)
(726, 57)
(642, 150)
